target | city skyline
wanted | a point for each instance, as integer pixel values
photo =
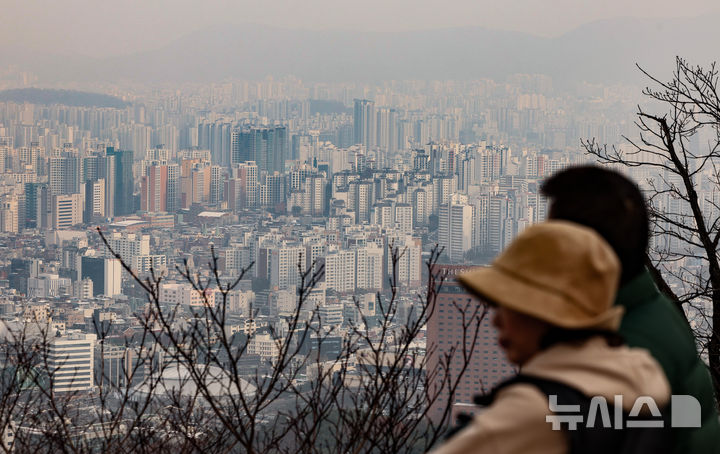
(246, 236)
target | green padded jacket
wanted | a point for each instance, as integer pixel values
(653, 322)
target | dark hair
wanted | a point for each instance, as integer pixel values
(607, 202)
(561, 335)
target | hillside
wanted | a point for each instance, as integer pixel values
(65, 97)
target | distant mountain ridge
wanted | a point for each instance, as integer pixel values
(603, 51)
(65, 97)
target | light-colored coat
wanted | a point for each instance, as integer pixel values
(515, 422)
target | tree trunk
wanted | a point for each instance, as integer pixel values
(714, 344)
(664, 287)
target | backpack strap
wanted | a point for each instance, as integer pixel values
(590, 440)
(546, 386)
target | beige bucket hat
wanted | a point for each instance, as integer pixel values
(557, 271)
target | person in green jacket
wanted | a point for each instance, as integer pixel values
(612, 205)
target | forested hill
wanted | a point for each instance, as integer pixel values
(65, 97)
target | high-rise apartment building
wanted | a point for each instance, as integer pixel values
(154, 189)
(316, 187)
(387, 129)
(421, 206)
(172, 198)
(217, 137)
(340, 266)
(409, 265)
(283, 263)
(267, 147)
(135, 251)
(309, 198)
(499, 223)
(361, 200)
(404, 218)
(446, 186)
(273, 190)
(216, 184)
(369, 269)
(33, 198)
(28, 156)
(94, 200)
(365, 123)
(196, 181)
(238, 258)
(64, 175)
(124, 182)
(10, 214)
(102, 168)
(456, 227)
(243, 186)
(383, 214)
(90, 167)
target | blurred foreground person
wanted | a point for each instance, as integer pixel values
(553, 289)
(613, 206)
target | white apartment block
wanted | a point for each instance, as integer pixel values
(96, 195)
(142, 263)
(47, 285)
(184, 294)
(383, 215)
(369, 267)
(314, 249)
(237, 258)
(129, 244)
(331, 315)
(340, 271)
(135, 251)
(9, 211)
(409, 266)
(71, 358)
(456, 228)
(113, 277)
(404, 218)
(263, 345)
(283, 262)
(421, 206)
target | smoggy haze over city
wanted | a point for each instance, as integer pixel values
(132, 26)
(601, 41)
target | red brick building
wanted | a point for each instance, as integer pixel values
(488, 364)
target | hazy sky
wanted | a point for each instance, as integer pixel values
(97, 27)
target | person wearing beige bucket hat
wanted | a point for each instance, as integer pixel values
(568, 280)
(553, 290)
